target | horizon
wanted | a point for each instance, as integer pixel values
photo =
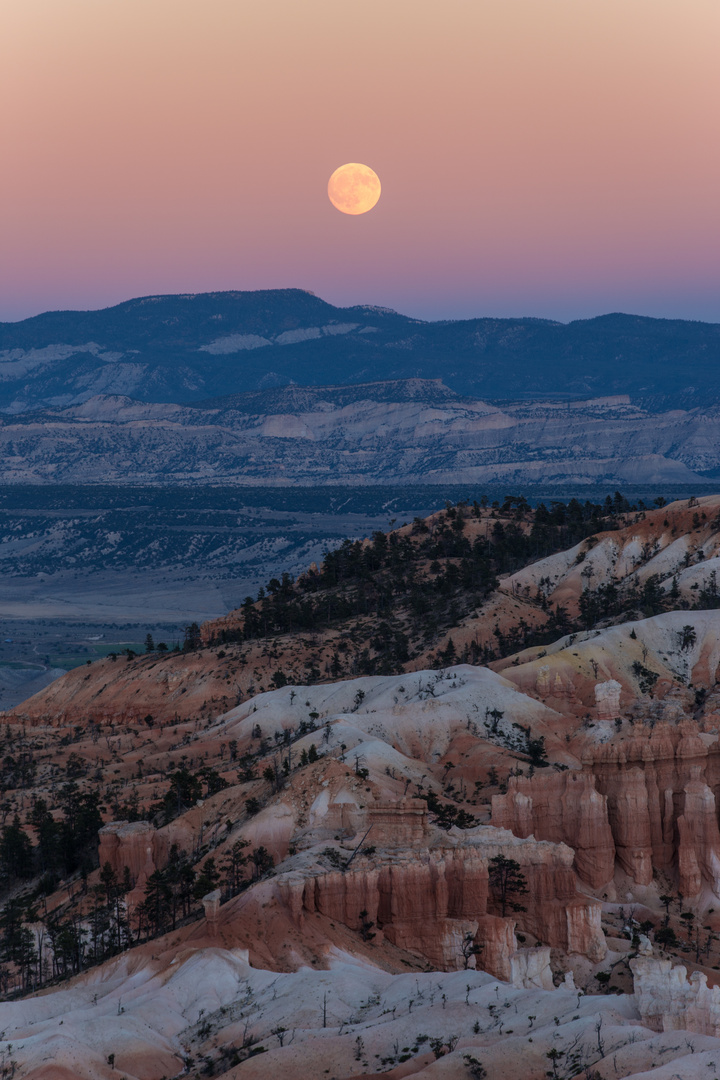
(349, 306)
(552, 159)
(360, 651)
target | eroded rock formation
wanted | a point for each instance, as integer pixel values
(564, 808)
(607, 699)
(429, 901)
(661, 787)
(668, 1001)
(131, 844)
(140, 847)
(649, 802)
(398, 824)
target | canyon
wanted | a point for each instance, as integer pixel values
(349, 839)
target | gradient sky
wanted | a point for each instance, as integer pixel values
(537, 157)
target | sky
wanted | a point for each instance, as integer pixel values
(557, 158)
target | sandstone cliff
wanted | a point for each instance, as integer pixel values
(647, 800)
(427, 900)
(566, 808)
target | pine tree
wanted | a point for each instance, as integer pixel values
(17, 943)
(16, 851)
(232, 868)
(506, 880)
(206, 880)
(47, 831)
(262, 861)
(156, 907)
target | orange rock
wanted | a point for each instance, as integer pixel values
(398, 824)
(565, 808)
(428, 901)
(132, 844)
(698, 840)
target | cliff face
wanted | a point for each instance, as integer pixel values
(388, 432)
(129, 844)
(566, 808)
(428, 902)
(140, 847)
(422, 890)
(398, 824)
(648, 801)
(661, 788)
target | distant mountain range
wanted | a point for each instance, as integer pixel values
(394, 433)
(185, 349)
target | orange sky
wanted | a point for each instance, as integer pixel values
(548, 157)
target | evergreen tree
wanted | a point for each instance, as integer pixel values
(17, 942)
(180, 876)
(506, 881)
(156, 907)
(233, 867)
(100, 925)
(67, 938)
(78, 835)
(16, 857)
(206, 880)
(193, 639)
(184, 791)
(262, 861)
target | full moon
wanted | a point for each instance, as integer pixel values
(354, 188)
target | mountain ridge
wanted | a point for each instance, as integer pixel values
(192, 347)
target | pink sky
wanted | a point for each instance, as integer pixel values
(542, 157)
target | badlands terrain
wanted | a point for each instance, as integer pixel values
(401, 432)
(442, 806)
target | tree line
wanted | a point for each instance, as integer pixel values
(414, 586)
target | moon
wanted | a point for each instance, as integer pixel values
(354, 188)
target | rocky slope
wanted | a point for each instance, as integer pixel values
(676, 546)
(309, 879)
(414, 431)
(230, 991)
(186, 348)
(460, 616)
(185, 1006)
